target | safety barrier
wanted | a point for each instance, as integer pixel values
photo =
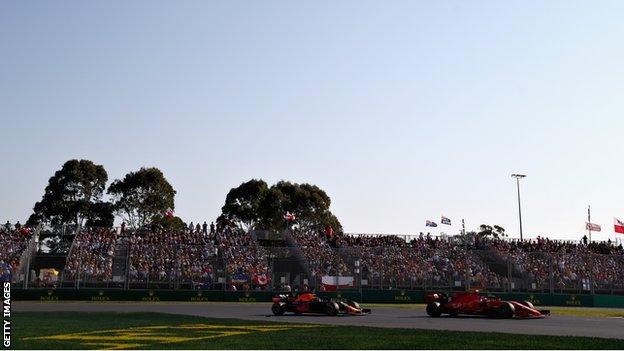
(371, 296)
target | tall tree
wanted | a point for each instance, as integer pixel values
(253, 206)
(71, 194)
(174, 223)
(498, 231)
(271, 210)
(101, 215)
(495, 231)
(242, 204)
(309, 203)
(141, 196)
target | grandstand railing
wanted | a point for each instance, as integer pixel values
(21, 275)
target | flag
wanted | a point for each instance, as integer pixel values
(592, 226)
(169, 213)
(333, 283)
(445, 220)
(290, 217)
(430, 224)
(239, 278)
(260, 279)
(618, 226)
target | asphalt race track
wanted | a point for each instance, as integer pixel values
(388, 317)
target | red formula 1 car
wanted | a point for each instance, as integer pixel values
(474, 303)
(310, 303)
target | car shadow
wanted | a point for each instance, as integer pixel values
(305, 315)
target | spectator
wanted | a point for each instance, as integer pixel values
(91, 256)
(13, 243)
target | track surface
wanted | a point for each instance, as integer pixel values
(387, 317)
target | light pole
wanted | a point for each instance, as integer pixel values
(518, 177)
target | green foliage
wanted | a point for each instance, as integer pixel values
(72, 194)
(141, 196)
(254, 206)
(174, 223)
(101, 215)
(488, 230)
(242, 204)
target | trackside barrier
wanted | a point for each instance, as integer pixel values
(102, 295)
(374, 296)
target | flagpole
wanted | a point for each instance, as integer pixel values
(589, 221)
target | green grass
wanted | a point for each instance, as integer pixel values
(83, 330)
(586, 311)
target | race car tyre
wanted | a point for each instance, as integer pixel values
(527, 304)
(331, 308)
(278, 309)
(433, 309)
(505, 310)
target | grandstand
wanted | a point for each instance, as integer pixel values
(66, 257)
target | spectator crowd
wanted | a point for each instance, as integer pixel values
(391, 261)
(196, 253)
(13, 241)
(570, 265)
(169, 255)
(91, 255)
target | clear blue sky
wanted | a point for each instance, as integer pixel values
(401, 110)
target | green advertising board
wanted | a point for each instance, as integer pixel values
(367, 296)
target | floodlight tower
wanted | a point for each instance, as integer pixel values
(518, 177)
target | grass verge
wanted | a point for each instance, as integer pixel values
(106, 330)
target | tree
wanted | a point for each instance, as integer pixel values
(71, 194)
(271, 211)
(242, 204)
(101, 215)
(309, 203)
(495, 231)
(485, 230)
(141, 196)
(174, 223)
(253, 206)
(499, 231)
